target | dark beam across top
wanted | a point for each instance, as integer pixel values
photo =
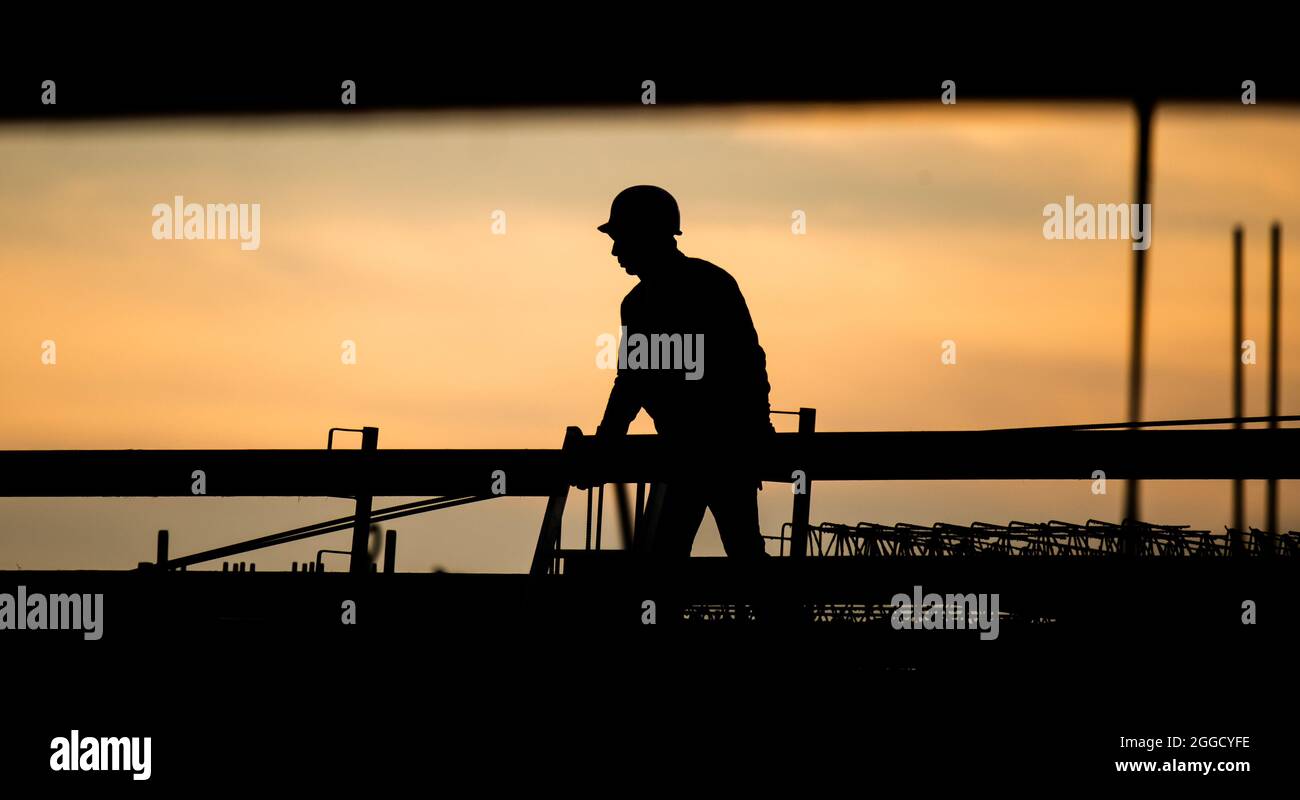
(184, 93)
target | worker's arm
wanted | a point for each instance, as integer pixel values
(623, 406)
(744, 365)
(619, 411)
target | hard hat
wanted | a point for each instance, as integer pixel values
(645, 210)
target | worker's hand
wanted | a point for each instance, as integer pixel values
(595, 459)
(607, 437)
(587, 478)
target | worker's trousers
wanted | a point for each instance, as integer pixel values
(734, 503)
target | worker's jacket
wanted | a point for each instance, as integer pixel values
(689, 355)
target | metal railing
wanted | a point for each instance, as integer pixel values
(458, 477)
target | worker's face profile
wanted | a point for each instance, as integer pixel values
(634, 251)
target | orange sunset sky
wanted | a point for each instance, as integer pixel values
(924, 224)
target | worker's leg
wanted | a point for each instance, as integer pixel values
(679, 520)
(735, 508)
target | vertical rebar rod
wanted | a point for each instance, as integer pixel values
(1274, 353)
(588, 518)
(1145, 106)
(1238, 375)
(600, 511)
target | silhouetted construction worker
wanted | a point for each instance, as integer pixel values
(710, 406)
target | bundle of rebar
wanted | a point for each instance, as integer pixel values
(1051, 538)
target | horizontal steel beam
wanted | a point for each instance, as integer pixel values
(894, 455)
(283, 473)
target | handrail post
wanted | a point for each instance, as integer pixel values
(361, 526)
(548, 540)
(390, 552)
(162, 550)
(803, 501)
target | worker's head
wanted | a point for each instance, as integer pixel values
(642, 222)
